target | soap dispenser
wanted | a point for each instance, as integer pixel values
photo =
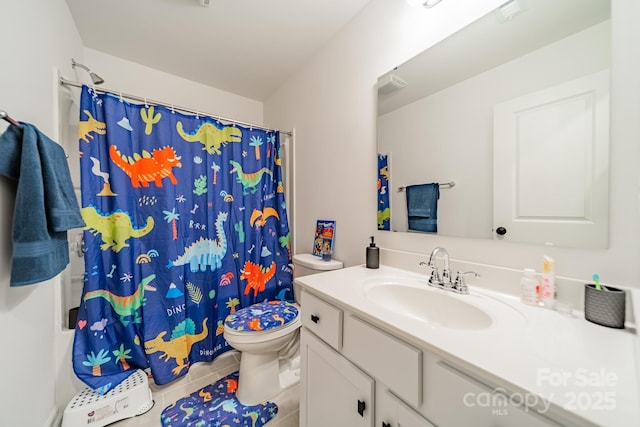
(373, 254)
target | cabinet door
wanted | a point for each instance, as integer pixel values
(392, 412)
(333, 391)
(456, 399)
(408, 418)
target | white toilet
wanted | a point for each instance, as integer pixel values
(267, 335)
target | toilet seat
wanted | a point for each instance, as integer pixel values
(268, 320)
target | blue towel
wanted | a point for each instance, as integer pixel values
(46, 205)
(422, 207)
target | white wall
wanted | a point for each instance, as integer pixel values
(37, 36)
(130, 77)
(428, 144)
(331, 103)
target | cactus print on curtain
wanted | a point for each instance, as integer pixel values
(185, 223)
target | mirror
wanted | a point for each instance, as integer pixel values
(510, 116)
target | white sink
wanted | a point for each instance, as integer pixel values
(413, 298)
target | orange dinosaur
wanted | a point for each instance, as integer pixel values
(279, 319)
(232, 385)
(260, 217)
(257, 276)
(205, 395)
(150, 167)
(254, 325)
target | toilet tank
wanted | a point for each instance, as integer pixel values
(307, 264)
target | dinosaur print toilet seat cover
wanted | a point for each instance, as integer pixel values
(262, 316)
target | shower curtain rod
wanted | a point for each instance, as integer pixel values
(66, 82)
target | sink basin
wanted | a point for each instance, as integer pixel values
(411, 297)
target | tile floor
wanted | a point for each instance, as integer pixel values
(199, 376)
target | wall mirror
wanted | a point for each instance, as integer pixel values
(512, 112)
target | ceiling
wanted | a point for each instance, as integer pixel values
(247, 47)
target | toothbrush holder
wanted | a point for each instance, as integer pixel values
(604, 306)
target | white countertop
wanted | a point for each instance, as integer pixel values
(590, 371)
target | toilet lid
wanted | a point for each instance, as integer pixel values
(261, 317)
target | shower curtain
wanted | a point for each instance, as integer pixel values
(384, 209)
(185, 223)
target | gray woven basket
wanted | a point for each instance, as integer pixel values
(605, 307)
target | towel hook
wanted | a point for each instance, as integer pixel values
(5, 116)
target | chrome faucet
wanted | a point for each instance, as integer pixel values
(444, 281)
(439, 281)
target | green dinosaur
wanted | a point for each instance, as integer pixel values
(211, 136)
(249, 180)
(253, 415)
(383, 216)
(116, 227)
(127, 305)
(188, 411)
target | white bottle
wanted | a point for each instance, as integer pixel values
(548, 283)
(529, 285)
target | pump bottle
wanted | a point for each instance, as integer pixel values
(373, 255)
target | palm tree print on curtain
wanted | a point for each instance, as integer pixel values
(185, 223)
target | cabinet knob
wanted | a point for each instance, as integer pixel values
(361, 406)
(501, 231)
(314, 318)
(385, 424)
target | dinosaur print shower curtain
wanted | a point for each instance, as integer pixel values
(185, 223)
(384, 209)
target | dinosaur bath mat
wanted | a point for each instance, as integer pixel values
(216, 405)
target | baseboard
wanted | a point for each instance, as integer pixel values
(54, 419)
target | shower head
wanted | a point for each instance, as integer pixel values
(96, 79)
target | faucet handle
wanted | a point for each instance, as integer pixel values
(434, 278)
(460, 285)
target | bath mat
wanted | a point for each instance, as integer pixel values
(216, 405)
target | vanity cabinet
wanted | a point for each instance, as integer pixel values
(356, 374)
(334, 392)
